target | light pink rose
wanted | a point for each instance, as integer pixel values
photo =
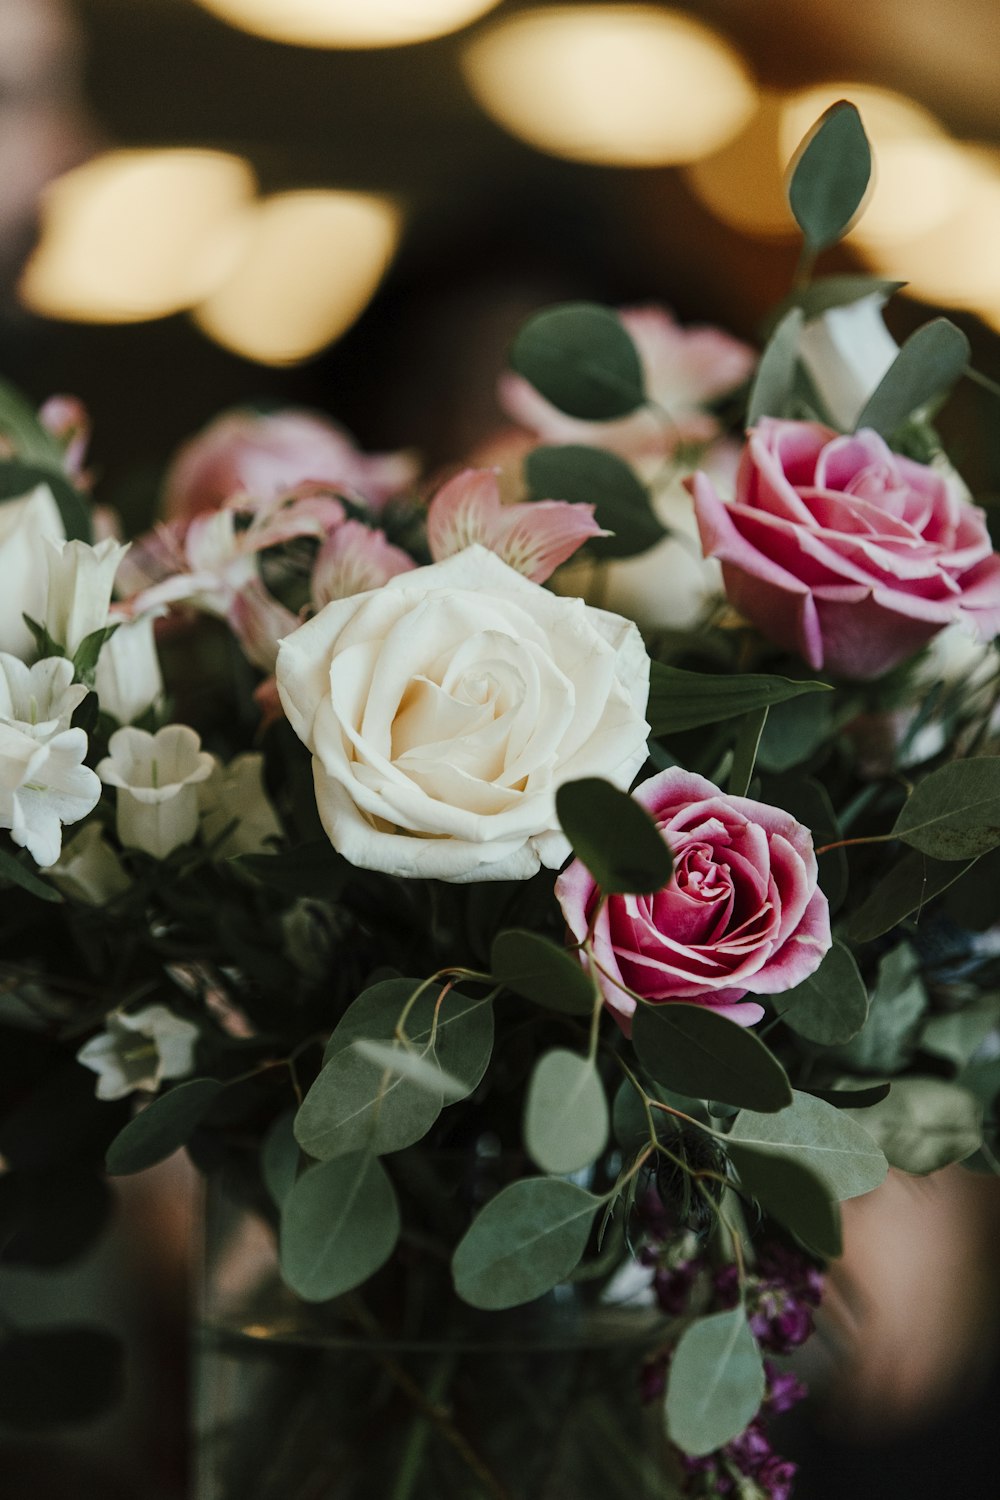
(742, 914)
(839, 549)
(683, 368)
(267, 454)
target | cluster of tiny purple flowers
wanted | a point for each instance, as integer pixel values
(780, 1295)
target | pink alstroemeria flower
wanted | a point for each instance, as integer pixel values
(259, 621)
(684, 369)
(354, 559)
(67, 419)
(533, 537)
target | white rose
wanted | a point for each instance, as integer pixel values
(23, 525)
(444, 709)
(847, 350)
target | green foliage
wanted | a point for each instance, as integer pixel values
(279, 1158)
(523, 1243)
(579, 357)
(14, 869)
(417, 1068)
(927, 366)
(898, 1000)
(748, 733)
(536, 969)
(593, 476)
(614, 837)
(358, 1102)
(691, 1049)
(775, 378)
(825, 1140)
(52, 1376)
(957, 1034)
(791, 1193)
(954, 813)
(162, 1127)
(795, 730)
(339, 1224)
(716, 1382)
(18, 478)
(566, 1115)
(313, 870)
(29, 437)
(830, 176)
(903, 890)
(924, 1124)
(680, 700)
(89, 649)
(829, 1007)
(827, 292)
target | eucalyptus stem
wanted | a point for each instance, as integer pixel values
(415, 1446)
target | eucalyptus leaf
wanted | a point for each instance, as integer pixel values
(795, 730)
(416, 1067)
(906, 888)
(691, 1049)
(18, 478)
(958, 1034)
(524, 1242)
(844, 1095)
(775, 378)
(925, 1124)
(829, 1007)
(536, 969)
(157, 1131)
(825, 1140)
(825, 293)
(12, 869)
(339, 1224)
(566, 1113)
(580, 357)
(898, 1000)
(791, 1193)
(927, 366)
(279, 1158)
(830, 177)
(680, 700)
(716, 1383)
(954, 813)
(614, 837)
(593, 476)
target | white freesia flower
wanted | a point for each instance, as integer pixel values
(40, 700)
(128, 680)
(89, 870)
(444, 710)
(234, 798)
(847, 350)
(156, 776)
(138, 1050)
(25, 524)
(79, 594)
(44, 784)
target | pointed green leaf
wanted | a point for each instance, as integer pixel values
(614, 837)
(954, 813)
(339, 1224)
(828, 292)
(829, 1007)
(793, 1195)
(830, 176)
(580, 357)
(12, 869)
(524, 1242)
(927, 366)
(592, 476)
(691, 1049)
(566, 1115)
(907, 888)
(18, 478)
(751, 727)
(775, 378)
(716, 1383)
(537, 970)
(825, 1140)
(681, 700)
(157, 1131)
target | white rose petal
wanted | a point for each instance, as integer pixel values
(444, 710)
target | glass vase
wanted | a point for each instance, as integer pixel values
(400, 1392)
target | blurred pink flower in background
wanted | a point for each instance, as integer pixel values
(354, 559)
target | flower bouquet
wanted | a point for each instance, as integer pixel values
(536, 986)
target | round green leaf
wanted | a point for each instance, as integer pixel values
(356, 1103)
(579, 357)
(826, 1140)
(614, 837)
(716, 1383)
(592, 476)
(536, 969)
(793, 1195)
(524, 1242)
(829, 1007)
(924, 1124)
(279, 1157)
(693, 1050)
(339, 1225)
(416, 1067)
(157, 1131)
(831, 174)
(566, 1116)
(954, 813)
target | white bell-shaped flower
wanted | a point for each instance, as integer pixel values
(39, 700)
(236, 814)
(25, 523)
(79, 596)
(44, 784)
(138, 1050)
(89, 870)
(128, 680)
(157, 778)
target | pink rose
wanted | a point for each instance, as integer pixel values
(839, 549)
(742, 914)
(267, 454)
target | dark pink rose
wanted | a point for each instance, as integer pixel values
(839, 549)
(742, 914)
(268, 454)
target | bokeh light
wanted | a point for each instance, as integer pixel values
(349, 23)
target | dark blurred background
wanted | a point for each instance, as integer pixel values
(521, 158)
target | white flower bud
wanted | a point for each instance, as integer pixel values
(39, 700)
(24, 524)
(156, 776)
(234, 798)
(128, 680)
(79, 595)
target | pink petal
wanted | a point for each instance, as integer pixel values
(354, 559)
